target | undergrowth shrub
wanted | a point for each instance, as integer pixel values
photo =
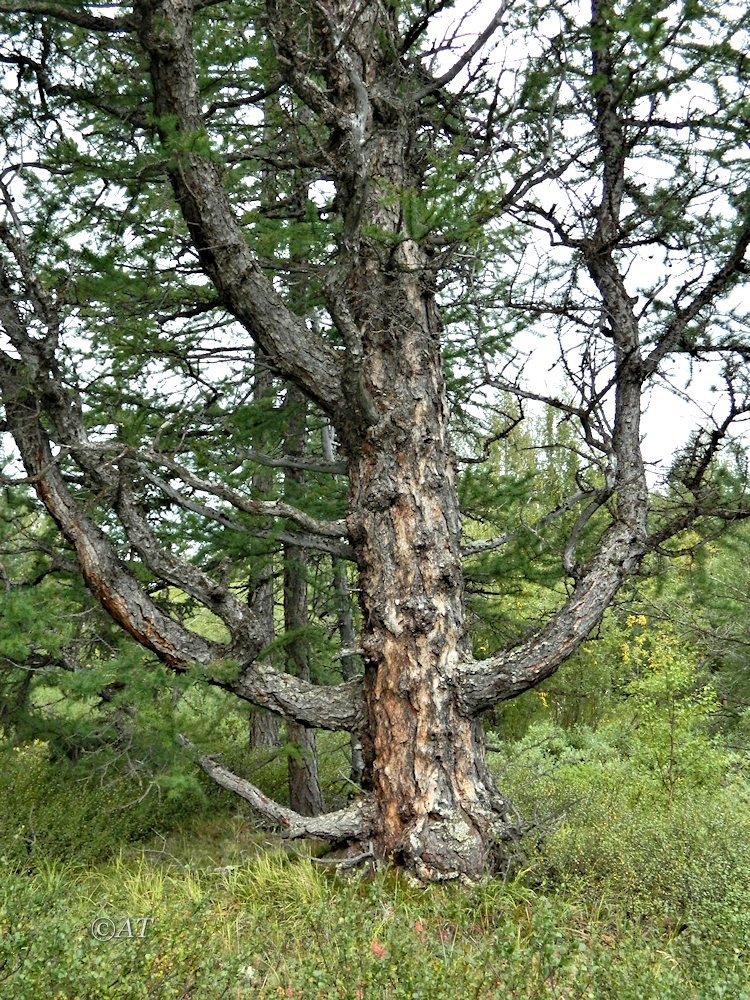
(284, 926)
(605, 827)
(81, 812)
(635, 885)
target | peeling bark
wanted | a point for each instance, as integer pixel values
(439, 812)
(438, 807)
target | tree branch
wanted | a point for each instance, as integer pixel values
(263, 508)
(165, 32)
(67, 13)
(119, 592)
(335, 707)
(340, 550)
(488, 544)
(625, 543)
(466, 58)
(483, 683)
(673, 337)
(355, 822)
(288, 462)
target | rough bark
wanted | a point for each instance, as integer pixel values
(439, 812)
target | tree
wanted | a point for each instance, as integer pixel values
(431, 170)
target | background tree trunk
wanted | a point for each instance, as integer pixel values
(305, 793)
(350, 663)
(264, 726)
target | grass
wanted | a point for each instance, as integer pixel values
(627, 890)
(279, 924)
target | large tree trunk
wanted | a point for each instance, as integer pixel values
(439, 812)
(438, 807)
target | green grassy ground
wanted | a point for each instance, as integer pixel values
(623, 889)
(281, 925)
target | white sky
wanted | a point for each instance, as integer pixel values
(683, 399)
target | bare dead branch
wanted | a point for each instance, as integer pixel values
(479, 43)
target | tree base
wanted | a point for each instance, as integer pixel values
(458, 847)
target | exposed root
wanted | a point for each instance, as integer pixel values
(346, 860)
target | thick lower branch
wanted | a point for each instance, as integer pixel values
(130, 606)
(486, 682)
(353, 823)
(339, 707)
